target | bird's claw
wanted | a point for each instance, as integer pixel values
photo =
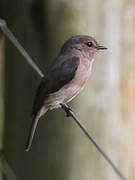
(67, 109)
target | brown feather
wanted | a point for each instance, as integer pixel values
(59, 74)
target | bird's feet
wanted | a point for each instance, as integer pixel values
(67, 109)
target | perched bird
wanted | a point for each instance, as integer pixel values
(65, 78)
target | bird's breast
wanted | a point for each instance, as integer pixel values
(82, 74)
(79, 81)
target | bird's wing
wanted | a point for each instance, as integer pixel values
(60, 73)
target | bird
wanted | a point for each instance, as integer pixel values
(65, 77)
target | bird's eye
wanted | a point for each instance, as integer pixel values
(89, 44)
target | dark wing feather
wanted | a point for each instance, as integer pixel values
(60, 73)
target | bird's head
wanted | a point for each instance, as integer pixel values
(86, 45)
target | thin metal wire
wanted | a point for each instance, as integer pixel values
(67, 109)
(16, 43)
(70, 112)
(7, 170)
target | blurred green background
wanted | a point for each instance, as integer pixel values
(60, 150)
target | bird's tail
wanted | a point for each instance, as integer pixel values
(32, 129)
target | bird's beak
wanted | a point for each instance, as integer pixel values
(101, 48)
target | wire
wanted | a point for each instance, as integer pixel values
(70, 112)
(16, 43)
(7, 170)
